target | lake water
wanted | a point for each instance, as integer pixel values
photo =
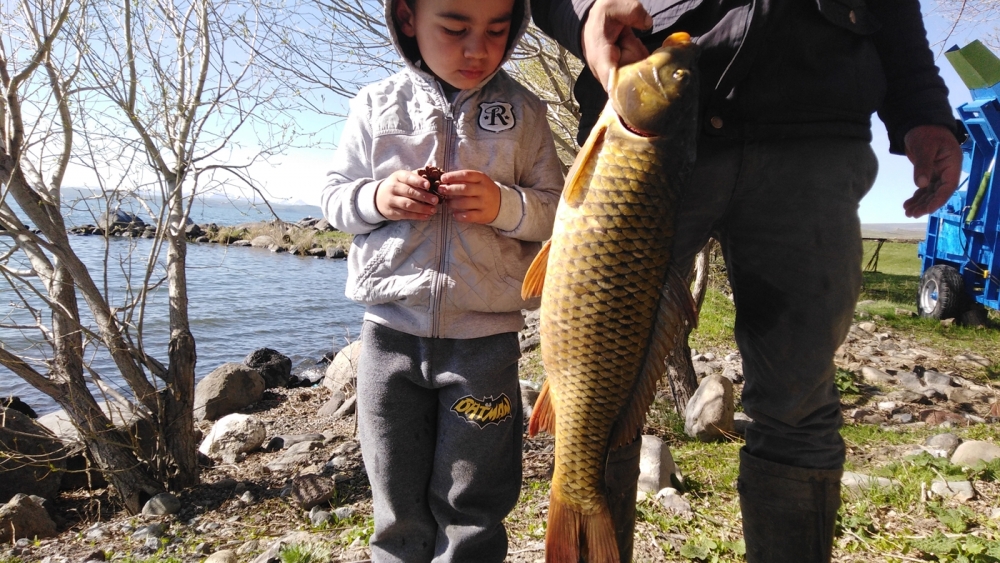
(241, 298)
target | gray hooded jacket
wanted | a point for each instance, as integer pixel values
(442, 278)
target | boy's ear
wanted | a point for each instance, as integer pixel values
(405, 18)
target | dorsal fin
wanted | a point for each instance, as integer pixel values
(534, 278)
(586, 159)
(675, 314)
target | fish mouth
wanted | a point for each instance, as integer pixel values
(634, 131)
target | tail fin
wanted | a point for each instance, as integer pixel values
(569, 530)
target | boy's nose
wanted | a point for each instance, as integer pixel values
(475, 47)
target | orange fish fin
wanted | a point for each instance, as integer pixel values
(675, 317)
(568, 530)
(575, 191)
(534, 279)
(543, 416)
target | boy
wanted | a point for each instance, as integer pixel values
(440, 271)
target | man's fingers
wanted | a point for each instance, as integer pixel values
(629, 13)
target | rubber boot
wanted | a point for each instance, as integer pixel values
(621, 476)
(788, 512)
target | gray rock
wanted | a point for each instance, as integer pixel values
(226, 390)
(709, 413)
(139, 429)
(342, 372)
(161, 505)
(962, 395)
(312, 490)
(232, 435)
(291, 459)
(347, 408)
(961, 491)
(151, 531)
(343, 512)
(22, 517)
(674, 503)
(936, 379)
(972, 452)
(859, 483)
(28, 453)
(875, 376)
(741, 421)
(263, 241)
(907, 396)
(657, 469)
(275, 368)
(273, 551)
(109, 221)
(286, 441)
(868, 327)
(222, 556)
(333, 404)
(903, 418)
(318, 516)
(909, 380)
(946, 442)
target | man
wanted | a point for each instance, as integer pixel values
(787, 93)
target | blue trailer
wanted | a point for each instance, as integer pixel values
(960, 270)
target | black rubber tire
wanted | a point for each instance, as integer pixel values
(941, 294)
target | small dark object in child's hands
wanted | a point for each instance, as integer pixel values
(433, 175)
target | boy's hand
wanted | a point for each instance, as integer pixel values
(404, 195)
(472, 196)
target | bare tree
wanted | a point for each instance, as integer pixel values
(160, 97)
(966, 15)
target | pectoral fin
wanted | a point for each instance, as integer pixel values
(543, 416)
(534, 279)
(675, 316)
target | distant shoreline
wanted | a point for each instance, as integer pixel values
(902, 232)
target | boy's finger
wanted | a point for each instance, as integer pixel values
(461, 176)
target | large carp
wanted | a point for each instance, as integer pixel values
(612, 306)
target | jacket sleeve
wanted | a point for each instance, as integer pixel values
(915, 92)
(562, 20)
(528, 210)
(348, 200)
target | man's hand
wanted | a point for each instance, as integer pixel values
(607, 39)
(937, 165)
(404, 195)
(472, 196)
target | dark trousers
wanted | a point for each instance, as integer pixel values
(440, 426)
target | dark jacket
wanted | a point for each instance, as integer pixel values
(778, 69)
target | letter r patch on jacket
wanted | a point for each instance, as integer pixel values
(496, 116)
(485, 411)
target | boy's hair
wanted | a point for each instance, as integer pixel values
(409, 44)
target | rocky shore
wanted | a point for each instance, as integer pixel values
(308, 236)
(282, 467)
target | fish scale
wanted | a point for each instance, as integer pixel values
(611, 306)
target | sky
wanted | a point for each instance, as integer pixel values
(894, 185)
(298, 177)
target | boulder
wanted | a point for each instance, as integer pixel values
(138, 429)
(229, 388)
(161, 505)
(657, 469)
(263, 241)
(312, 490)
(974, 451)
(119, 219)
(23, 517)
(343, 370)
(275, 368)
(232, 435)
(17, 404)
(709, 413)
(28, 452)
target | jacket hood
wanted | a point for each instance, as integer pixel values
(407, 46)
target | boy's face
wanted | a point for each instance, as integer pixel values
(461, 42)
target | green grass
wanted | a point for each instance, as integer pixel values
(305, 553)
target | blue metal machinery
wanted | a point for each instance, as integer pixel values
(960, 272)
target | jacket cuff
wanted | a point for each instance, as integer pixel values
(511, 209)
(930, 108)
(364, 201)
(563, 21)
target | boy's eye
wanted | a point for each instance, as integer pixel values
(497, 32)
(455, 32)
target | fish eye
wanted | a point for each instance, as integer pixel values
(681, 74)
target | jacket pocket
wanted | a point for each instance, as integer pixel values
(852, 15)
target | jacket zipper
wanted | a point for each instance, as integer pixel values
(438, 279)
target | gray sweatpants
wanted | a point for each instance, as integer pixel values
(440, 426)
